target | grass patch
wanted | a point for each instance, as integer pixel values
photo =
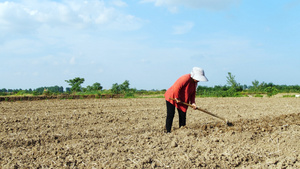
(288, 96)
(150, 96)
(258, 95)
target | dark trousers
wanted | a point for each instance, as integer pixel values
(170, 116)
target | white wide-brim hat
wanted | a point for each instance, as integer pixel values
(198, 74)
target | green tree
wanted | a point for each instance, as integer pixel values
(97, 86)
(35, 93)
(271, 91)
(75, 84)
(124, 87)
(231, 81)
(255, 86)
(89, 88)
(39, 91)
(234, 86)
(115, 88)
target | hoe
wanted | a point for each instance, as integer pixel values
(207, 112)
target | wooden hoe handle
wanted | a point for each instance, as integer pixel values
(207, 112)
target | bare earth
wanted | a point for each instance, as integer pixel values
(129, 133)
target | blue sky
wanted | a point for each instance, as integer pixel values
(148, 42)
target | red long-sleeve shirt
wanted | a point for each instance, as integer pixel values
(184, 89)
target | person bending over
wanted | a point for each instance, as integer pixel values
(183, 90)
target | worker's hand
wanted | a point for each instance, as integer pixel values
(194, 106)
(178, 100)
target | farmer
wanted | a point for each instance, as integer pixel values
(183, 90)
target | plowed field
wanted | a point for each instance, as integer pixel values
(129, 133)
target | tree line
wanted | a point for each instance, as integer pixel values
(235, 89)
(231, 89)
(75, 88)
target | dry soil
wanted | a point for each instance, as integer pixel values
(129, 133)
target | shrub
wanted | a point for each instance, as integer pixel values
(47, 93)
(271, 91)
(129, 95)
(35, 93)
(21, 92)
(258, 95)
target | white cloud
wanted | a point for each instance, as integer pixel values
(119, 3)
(35, 73)
(30, 15)
(197, 4)
(72, 60)
(100, 70)
(183, 29)
(20, 46)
